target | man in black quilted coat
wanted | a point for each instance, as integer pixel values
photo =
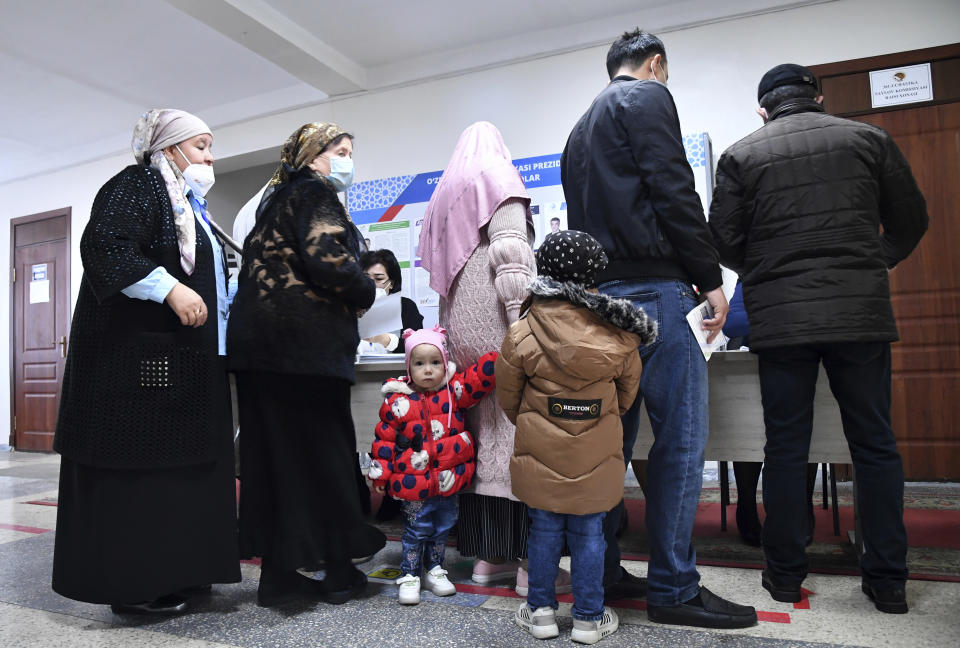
(814, 211)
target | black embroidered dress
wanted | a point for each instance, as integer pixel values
(147, 501)
(292, 341)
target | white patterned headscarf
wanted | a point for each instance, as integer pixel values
(156, 130)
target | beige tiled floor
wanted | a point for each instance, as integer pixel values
(839, 613)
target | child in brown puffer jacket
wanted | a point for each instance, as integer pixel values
(568, 370)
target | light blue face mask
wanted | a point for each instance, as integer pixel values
(341, 172)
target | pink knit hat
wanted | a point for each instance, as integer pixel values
(436, 336)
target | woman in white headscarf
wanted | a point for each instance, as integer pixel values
(147, 504)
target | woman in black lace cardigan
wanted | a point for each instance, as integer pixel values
(147, 503)
(292, 342)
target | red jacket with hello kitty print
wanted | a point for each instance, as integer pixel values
(421, 448)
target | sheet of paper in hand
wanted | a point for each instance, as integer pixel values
(695, 317)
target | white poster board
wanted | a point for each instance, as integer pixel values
(389, 211)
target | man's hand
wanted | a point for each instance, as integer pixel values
(188, 305)
(718, 302)
(383, 339)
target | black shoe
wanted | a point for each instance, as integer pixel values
(705, 610)
(892, 600)
(341, 596)
(169, 604)
(280, 588)
(628, 587)
(195, 590)
(783, 592)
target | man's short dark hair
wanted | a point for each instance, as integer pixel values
(777, 96)
(554, 219)
(633, 48)
(387, 259)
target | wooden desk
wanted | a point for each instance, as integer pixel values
(365, 396)
(736, 415)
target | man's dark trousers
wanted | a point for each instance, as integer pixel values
(859, 375)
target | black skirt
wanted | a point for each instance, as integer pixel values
(126, 536)
(299, 501)
(492, 527)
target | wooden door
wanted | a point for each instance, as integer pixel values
(925, 288)
(41, 325)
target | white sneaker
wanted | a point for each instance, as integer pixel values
(590, 632)
(541, 623)
(437, 582)
(409, 589)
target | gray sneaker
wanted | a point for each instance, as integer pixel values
(541, 623)
(590, 632)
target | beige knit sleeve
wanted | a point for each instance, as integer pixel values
(511, 257)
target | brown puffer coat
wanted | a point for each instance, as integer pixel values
(566, 373)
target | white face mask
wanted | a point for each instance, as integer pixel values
(341, 172)
(655, 77)
(198, 177)
(380, 292)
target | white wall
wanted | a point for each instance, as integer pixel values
(714, 72)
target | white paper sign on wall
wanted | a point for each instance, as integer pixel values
(902, 85)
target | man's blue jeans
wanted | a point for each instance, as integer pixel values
(425, 531)
(859, 374)
(674, 387)
(584, 536)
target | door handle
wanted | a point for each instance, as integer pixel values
(63, 342)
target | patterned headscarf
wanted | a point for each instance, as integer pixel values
(298, 151)
(570, 255)
(156, 130)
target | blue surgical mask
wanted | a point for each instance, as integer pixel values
(341, 172)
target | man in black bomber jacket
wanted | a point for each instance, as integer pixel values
(814, 211)
(627, 182)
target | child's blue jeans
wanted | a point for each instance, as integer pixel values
(425, 532)
(584, 536)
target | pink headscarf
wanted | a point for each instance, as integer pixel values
(478, 179)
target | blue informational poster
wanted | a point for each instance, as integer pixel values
(389, 211)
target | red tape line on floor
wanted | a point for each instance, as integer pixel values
(804, 602)
(627, 604)
(24, 529)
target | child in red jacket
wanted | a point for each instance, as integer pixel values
(423, 455)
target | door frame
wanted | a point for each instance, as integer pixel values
(892, 60)
(897, 59)
(14, 222)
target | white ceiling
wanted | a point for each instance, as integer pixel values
(74, 75)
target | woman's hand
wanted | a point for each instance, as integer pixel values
(382, 339)
(188, 305)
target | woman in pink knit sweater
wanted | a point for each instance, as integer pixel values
(475, 243)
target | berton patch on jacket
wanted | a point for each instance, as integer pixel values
(573, 409)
